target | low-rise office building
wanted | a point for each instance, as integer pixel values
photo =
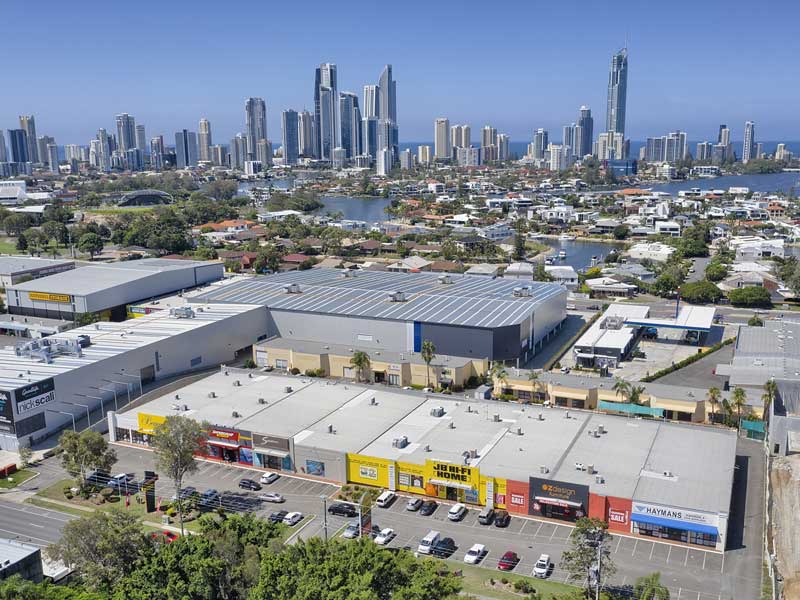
(24, 560)
(641, 476)
(106, 289)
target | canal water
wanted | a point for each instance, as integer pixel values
(579, 254)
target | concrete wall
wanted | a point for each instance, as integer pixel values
(390, 336)
(335, 462)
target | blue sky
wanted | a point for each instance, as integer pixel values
(514, 65)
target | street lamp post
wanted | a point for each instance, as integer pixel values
(325, 516)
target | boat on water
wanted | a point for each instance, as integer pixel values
(535, 236)
(548, 261)
(565, 237)
(562, 254)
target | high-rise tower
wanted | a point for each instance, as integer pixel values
(204, 142)
(255, 125)
(617, 92)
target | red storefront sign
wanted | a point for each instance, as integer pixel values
(221, 434)
(618, 516)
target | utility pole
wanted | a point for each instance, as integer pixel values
(325, 516)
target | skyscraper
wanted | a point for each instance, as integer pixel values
(703, 152)
(3, 150)
(255, 125)
(41, 148)
(748, 148)
(724, 135)
(290, 131)
(28, 124)
(264, 153)
(371, 101)
(141, 139)
(369, 137)
(305, 128)
(238, 151)
(488, 136)
(326, 120)
(502, 146)
(350, 117)
(157, 152)
(617, 92)
(388, 112)
(540, 143)
(424, 155)
(568, 137)
(18, 138)
(105, 150)
(586, 125)
(441, 137)
(186, 149)
(126, 132)
(52, 157)
(204, 140)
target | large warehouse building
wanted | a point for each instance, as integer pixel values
(18, 269)
(107, 289)
(46, 383)
(474, 317)
(641, 476)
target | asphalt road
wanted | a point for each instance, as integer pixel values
(688, 572)
(31, 524)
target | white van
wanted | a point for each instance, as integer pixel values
(385, 499)
(428, 542)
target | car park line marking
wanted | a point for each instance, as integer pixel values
(668, 555)
(552, 534)
(36, 525)
(523, 526)
(537, 531)
(686, 560)
(705, 556)
(18, 535)
(651, 552)
(635, 543)
(311, 519)
(619, 541)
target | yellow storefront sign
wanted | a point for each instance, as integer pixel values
(442, 473)
(62, 298)
(148, 423)
(410, 478)
(368, 470)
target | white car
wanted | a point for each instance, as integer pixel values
(272, 497)
(385, 536)
(457, 512)
(269, 478)
(293, 518)
(542, 567)
(475, 554)
(120, 480)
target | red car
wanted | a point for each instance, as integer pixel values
(508, 561)
(165, 536)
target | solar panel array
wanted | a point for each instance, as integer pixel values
(469, 301)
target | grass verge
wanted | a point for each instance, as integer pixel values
(477, 581)
(16, 478)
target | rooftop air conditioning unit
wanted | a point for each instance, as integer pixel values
(292, 288)
(590, 469)
(579, 466)
(397, 297)
(235, 415)
(601, 428)
(445, 279)
(262, 401)
(437, 411)
(543, 469)
(212, 394)
(519, 430)
(287, 389)
(236, 383)
(496, 418)
(668, 474)
(473, 453)
(599, 479)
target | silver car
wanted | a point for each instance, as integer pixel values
(272, 497)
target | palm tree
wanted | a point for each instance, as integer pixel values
(739, 401)
(713, 397)
(650, 587)
(635, 394)
(533, 377)
(428, 353)
(498, 373)
(360, 360)
(622, 388)
(770, 391)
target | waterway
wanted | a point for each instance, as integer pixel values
(771, 182)
(579, 253)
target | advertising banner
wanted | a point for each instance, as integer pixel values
(60, 298)
(449, 474)
(148, 423)
(223, 434)
(272, 442)
(410, 477)
(34, 396)
(6, 411)
(679, 515)
(369, 470)
(558, 498)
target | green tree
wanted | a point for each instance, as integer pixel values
(621, 232)
(739, 398)
(269, 258)
(25, 456)
(713, 396)
(650, 587)
(754, 296)
(716, 271)
(622, 389)
(428, 353)
(83, 451)
(588, 541)
(770, 391)
(755, 321)
(519, 242)
(16, 223)
(90, 243)
(635, 394)
(360, 360)
(16, 588)
(700, 292)
(498, 373)
(449, 249)
(535, 381)
(176, 442)
(102, 547)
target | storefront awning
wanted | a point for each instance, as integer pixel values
(223, 443)
(452, 484)
(680, 525)
(557, 502)
(271, 452)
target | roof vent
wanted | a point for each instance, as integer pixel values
(236, 383)
(331, 429)
(451, 425)
(212, 394)
(427, 447)
(469, 408)
(177, 396)
(185, 407)
(496, 418)
(601, 428)
(235, 415)
(437, 411)
(543, 469)
(287, 389)
(292, 288)
(519, 430)
(541, 417)
(599, 479)
(566, 414)
(397, 297)
(373, 402)
(668, 474)
(262, 401)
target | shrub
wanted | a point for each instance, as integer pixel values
(473, 381)
(171, 511)
(249, 364)
(294, 371)
(750, 296)
(504, 580)
(106, 492)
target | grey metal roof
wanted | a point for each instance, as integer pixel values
(16, 264)
(98, 277)
(761, 353)
(470, 301)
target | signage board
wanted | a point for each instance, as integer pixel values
(60, 298)
(618, 516)
(6, 411)
(262, 440)
(675, 514)
(148, 423)
(459, 475)
(224, 434)
(34, 396)
(557, 493)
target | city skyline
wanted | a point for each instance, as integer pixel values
(518, 96)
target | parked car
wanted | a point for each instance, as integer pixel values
(508, 561)
(428, 508)
(475, 554)
(209, 498)
(164, 536)
(121, 481)
(293, 518)
(184, 493)
(272, 497)
(486, 517)
(352, 530)
(385, 536)
(428, 542)
(457, 512)
(386, 499)
(342, 509)
(268, 478)
(98, 478)
(414, 504)
(444, 548)
(278, 516)
(502, 518)
(249, 484)
(542, 567)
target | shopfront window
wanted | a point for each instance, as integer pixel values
(281, 363)
(394, 379)
(578, 404)
(561, 401)
(675, 535)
